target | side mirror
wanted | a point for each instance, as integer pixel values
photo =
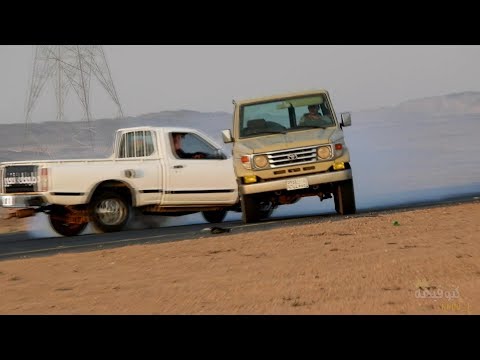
(346, 119)
(227, 136)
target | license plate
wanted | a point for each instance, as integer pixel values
(295, 184)
(7, 200)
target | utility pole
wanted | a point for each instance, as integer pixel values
(70, 67)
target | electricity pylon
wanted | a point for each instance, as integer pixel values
(70, 67)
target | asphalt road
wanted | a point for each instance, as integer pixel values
(22, 245)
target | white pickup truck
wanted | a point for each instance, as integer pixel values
(145, 173)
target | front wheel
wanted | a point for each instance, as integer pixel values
(110, 212)
(214, 216)
(250, 213)
(265, 211)
(254, 209)
(344, 198)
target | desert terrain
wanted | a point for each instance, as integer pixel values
(419, 261)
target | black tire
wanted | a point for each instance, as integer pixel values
(265, 214)
(109, 211)
(250, 209)
(344, 198)
(214, 216)
(59, 223)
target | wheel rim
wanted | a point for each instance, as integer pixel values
(111, 211)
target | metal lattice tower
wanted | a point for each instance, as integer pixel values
(70, 67)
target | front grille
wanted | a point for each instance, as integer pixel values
(292, 157)
(20, 179)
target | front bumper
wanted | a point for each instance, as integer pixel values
(277, 185)
(21, 201)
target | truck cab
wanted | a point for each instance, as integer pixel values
(289, 146)
(198, 176)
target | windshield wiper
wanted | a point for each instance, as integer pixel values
(310, 127)
(271, 132)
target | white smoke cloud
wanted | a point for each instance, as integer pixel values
(39, 226)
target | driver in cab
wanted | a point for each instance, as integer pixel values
(177, 146)
(314, 118)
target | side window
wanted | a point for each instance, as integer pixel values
(139, 144)
(136, 144)
(191, 146)
(121, 147)
(149, 147)
(127, 145)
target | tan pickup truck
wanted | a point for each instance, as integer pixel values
(289, 146)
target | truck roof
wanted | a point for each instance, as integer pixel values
(281, 96)
(169, 129)
(154, 128)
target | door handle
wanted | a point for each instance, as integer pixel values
(178, 166)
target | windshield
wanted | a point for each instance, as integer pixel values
(282, 116)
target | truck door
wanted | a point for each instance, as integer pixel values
(142, 167)
(198, 172)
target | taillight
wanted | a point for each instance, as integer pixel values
(43, 179)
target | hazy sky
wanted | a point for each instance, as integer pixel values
(207, 78)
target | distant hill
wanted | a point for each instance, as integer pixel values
(62, 140)
(464, 103)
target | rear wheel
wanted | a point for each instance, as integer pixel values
(59, 220)
(110, 212)
(214, 216)
(344, 198)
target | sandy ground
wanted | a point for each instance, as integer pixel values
(423, 261)
(11, 225)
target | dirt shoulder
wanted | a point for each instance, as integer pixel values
(11, 225)
(423, 261)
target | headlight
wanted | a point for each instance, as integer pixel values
(260, 161)
(324, 152)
